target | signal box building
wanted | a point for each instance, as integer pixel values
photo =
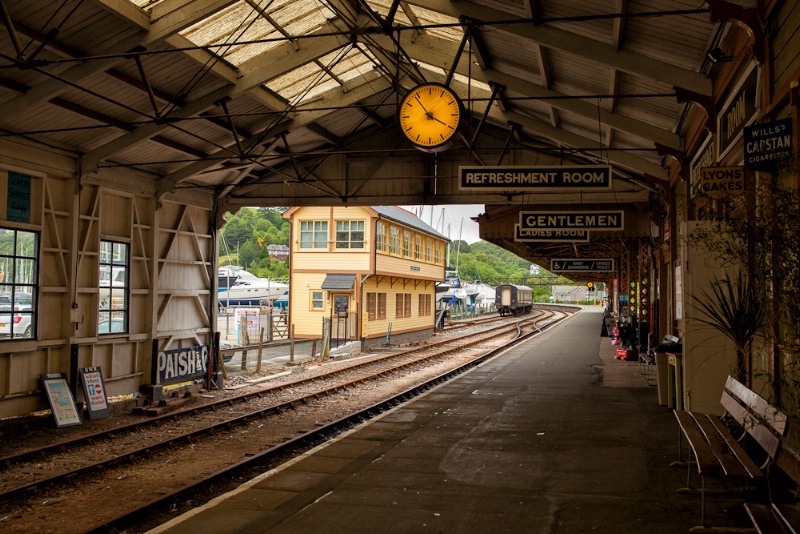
(371, 270)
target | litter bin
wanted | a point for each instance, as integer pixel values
(671, 344)
(661, 374)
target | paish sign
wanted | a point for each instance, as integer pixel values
(534, 178)
(572, 265)
(717, 182)
(177, 365)
(547, 236)
(572, 220)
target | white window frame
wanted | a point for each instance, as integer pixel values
(349, 234)
(115, 306)
(313, 235)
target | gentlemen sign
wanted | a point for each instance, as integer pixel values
(582, 266)
(547, 236)
(571, 220)
(177, 365)
(523, 178)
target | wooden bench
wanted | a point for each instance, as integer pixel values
(775, 519)
(647, 367)
(716, 452)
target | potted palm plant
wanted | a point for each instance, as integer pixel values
(735, 308)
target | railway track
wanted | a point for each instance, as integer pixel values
(186, 430)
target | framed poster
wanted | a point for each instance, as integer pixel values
(94, 392)
(65, 412)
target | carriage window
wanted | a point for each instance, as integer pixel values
(19, 273)
(114, 288)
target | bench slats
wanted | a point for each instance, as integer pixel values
(758, 405)
(763, 520)
(790, 516)
(743, 460)
(706, 461)
(754, 426)
(719, 444)
(717, 452)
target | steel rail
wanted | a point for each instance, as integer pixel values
(80, 441)
(163, 504)
(152, 448)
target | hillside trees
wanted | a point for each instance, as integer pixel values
(247, 234)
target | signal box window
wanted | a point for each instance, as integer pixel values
(349, 234)
(380, 237)
(394, 240)
(314, 234)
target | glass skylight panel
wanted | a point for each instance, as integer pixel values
(300, 17)
(452, 32)
(281, 84)
(352, 65)
(302, 84)
(240, 22)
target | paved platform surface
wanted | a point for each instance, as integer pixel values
(553, 436)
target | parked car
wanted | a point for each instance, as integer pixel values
(111, 327)
(16, 320)
(225, 345)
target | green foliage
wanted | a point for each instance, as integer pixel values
(247, 254)
(763, 238)
(247, 234)
(487, 262)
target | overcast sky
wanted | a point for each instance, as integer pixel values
(454, 221)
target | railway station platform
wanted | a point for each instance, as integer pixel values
(553, 436)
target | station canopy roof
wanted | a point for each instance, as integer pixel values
(293, 102)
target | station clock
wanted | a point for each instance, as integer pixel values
(430, 116)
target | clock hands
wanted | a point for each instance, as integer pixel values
(428, 115)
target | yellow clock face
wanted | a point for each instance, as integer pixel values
(430, 115)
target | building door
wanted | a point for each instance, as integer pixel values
(340, 319)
